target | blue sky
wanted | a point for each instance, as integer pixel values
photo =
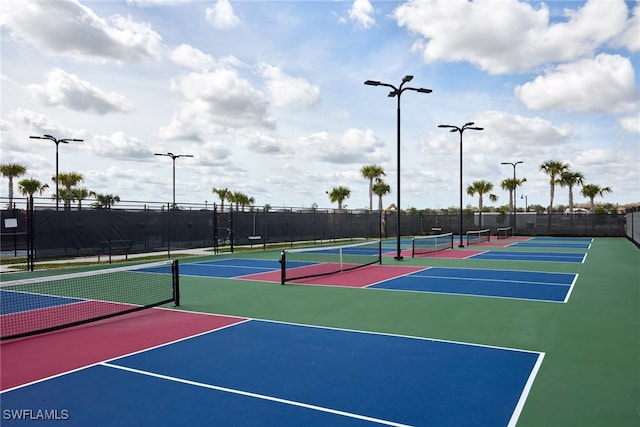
(268, 96)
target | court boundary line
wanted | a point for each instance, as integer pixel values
(584, 257)
(255, 395)
(525, 392)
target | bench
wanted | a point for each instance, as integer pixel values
(254, 240)
(114, 246)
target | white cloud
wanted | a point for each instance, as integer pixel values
(120, 146)
(68, 90)
(286, 90)
(73, 29)
(631, 123)
(604, 84)
(361, 13)
(353, 146)
(212, 100)
(630, 37)
(191, 57)
(221, 15)
(508, 36)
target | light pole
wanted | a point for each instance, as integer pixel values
(174, 157)
(526, 202)
(515, 185)
(468, 125)
(397, 91)
(57, 142)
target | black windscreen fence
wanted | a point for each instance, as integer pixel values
(121, 230)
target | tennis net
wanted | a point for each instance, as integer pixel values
(475, 237)
(38, 305)
(504, 232)
(421, 245)
(324, 260)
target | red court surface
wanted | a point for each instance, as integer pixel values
(25, 360)
(359, 278)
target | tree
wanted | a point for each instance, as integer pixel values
(12, 170)
(223, 194)
(371, 172)
(380, 188)
(339, 194)
(68, 180)
(30, 186)
(569, 179)
(79, 194)
(554, 169)
(481, 187)
(510, 184)
(590, 191)
(105, 200)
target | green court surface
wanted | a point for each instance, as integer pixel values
(590, 375)
(591, 372)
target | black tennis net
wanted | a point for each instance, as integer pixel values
(421, 245)
(324, 260)
(475, 237)
(38, 305)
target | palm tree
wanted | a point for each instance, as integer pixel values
(481, 187)
(339, 194)
(68, 180)
(569, 179)
(380, 188)
(30, 186)
(80, 194)
(511, 184)
(591, 191)
(105, 200)
(12, 170)
(224, 194)
(371, 172)
(553, 168)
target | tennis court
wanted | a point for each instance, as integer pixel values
(424, 341)
(287, 374)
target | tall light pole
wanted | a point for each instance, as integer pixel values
(174, 157)
(515, 185)
(468, 125)
(57, 142)
(397, 91)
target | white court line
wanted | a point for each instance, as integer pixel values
(257, 396)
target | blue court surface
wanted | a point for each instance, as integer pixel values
(531, 256)
(277, 374)
(528, 285)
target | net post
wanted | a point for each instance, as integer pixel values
(283, 267)
(175, 271)
(413, 247)
(380, 251)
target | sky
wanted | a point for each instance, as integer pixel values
(269, 97)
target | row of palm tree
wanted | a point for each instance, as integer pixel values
(561, 173)
(240, 199)
(68, 193)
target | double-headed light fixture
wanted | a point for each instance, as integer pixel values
(466, 126)
(397, 92)
(57, 142)
(174, 157)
